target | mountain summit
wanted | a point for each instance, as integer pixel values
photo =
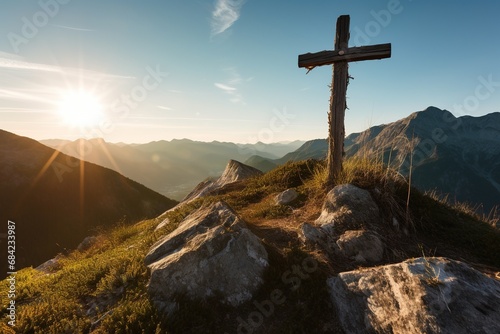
(456, 156)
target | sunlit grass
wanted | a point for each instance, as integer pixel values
(85, 286)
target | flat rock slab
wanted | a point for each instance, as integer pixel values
(211, 254)
(423, 295)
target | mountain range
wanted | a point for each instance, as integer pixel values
(172, 168)
(458, 157)
(56, 200)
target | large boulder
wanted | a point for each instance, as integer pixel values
(347, 226)
(211, 254)
(423, 295)
(348, 207)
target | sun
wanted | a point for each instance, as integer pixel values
(80, 109)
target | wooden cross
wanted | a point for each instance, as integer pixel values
(339, 59)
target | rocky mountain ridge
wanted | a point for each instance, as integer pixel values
(459, 157)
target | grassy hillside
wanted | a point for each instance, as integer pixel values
(103, 289)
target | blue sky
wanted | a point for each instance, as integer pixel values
(227, 69)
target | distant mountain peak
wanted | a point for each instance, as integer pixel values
(235, 171)
(432, 114)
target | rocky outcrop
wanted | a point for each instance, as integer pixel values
(235, 171)
(347, 226)
(202, 189)
(212, 253)
(423, 295)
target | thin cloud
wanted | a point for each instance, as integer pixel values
(15, 63)
(9, 55)
(232, 91)
(10, 94)
(232, 84)
(194, 119)
(225, 87)
(71, 28)
(23, 110)
(164, 108)
(225, 14)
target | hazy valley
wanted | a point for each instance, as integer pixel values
(172, 168)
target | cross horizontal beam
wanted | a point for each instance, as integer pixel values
(379, 51)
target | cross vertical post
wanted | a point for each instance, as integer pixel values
(339, 58)
(336, 129)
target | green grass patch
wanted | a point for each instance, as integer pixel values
(105, 285)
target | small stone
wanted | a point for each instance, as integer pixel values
(161, 225)
(86, 243)
(312, 235)
(286, 197)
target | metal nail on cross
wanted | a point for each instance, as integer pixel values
(339, 57)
